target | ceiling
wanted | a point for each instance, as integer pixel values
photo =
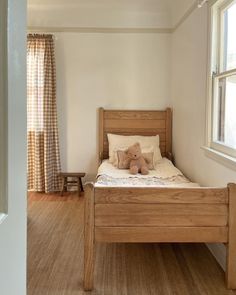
(147, 5)
(171, 10)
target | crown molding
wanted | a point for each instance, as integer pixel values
(100, 30)
(185, 16)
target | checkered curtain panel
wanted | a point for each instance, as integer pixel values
(42, 131)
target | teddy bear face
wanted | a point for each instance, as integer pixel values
(134, 152)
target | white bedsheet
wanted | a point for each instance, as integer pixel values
(165, 174)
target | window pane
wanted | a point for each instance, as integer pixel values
(35, 88)
(229, 37)
(226, 111)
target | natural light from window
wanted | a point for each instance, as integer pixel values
(230, 35)
(35, 107)
(224, 80)
(230, 112)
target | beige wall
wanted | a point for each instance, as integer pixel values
(127, 71)
(189, 89)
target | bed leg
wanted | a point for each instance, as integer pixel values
(231, 246)
(89, 251)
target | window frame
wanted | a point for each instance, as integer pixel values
(215, 73)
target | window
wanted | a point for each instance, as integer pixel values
(222, 106)
(35, 86)
(42, 132)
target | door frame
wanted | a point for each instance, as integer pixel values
(3, 109)
(13, 149)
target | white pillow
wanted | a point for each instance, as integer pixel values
(117, 141)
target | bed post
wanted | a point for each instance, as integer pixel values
(101, 134)
(89, 250)
(231, 246)
(168, 150)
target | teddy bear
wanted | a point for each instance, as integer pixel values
(137, 163)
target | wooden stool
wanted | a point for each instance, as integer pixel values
(75, 181)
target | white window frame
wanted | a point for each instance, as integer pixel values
(216, 149)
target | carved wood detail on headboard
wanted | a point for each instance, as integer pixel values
(129, 122)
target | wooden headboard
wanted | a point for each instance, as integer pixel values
(127, 122)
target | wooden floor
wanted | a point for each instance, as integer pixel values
(55, 258)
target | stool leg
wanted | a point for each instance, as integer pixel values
(62, 186)
(65, 184)
(81, 185)
(78, 185)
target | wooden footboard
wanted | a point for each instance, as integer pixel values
(160, 215)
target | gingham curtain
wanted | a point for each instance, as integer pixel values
(43, 145)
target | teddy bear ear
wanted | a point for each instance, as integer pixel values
(137, 144)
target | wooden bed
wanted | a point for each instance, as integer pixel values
(155, 215)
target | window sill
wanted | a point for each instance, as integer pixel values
(227, 161)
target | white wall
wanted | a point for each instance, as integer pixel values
(13, 228)
(110, 70)
(189, 90)
(126, 71)
(179, 8)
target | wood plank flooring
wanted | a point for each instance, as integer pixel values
(55, 258)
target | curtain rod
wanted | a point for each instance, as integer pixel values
(39, 35)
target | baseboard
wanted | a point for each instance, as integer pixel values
(219, 252)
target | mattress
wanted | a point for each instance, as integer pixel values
(165, 174)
